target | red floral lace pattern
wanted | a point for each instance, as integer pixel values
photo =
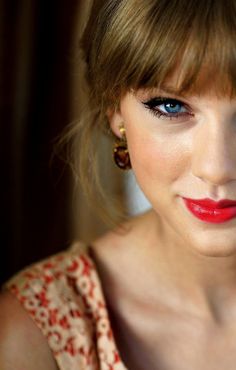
(64, 297)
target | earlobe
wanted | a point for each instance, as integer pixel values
(115, 120)
(120, 150)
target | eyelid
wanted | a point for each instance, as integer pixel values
(166, 98)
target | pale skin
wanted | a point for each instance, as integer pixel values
(191, 265)
(170, 280)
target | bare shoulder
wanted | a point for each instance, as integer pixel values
(22, 345)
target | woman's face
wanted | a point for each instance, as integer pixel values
(183, 147)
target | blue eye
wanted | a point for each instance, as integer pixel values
(172, 107)
(167, 107)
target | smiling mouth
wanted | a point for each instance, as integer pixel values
(210, 211)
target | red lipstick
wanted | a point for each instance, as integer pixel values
(210, 211)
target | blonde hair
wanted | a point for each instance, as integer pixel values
(132, 44)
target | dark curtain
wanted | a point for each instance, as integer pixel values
(36, 57)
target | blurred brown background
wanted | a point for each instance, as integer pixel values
(38, 98)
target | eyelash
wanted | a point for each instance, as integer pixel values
(154, 102)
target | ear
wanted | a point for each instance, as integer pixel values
(115, 119)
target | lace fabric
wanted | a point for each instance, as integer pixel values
(64, 297)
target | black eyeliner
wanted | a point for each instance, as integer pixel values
(157, 101)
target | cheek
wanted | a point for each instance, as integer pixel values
(156, 157)
(159, 153)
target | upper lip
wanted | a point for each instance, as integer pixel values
(209, 203)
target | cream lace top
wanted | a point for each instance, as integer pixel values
(64, 297)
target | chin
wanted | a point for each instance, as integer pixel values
(215, 247)
(217, 253)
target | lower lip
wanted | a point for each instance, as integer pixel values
(213, 215)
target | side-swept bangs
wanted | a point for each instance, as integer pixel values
(139, 44)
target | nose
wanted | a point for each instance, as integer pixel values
(214, 154)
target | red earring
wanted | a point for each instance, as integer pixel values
(121, 153)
